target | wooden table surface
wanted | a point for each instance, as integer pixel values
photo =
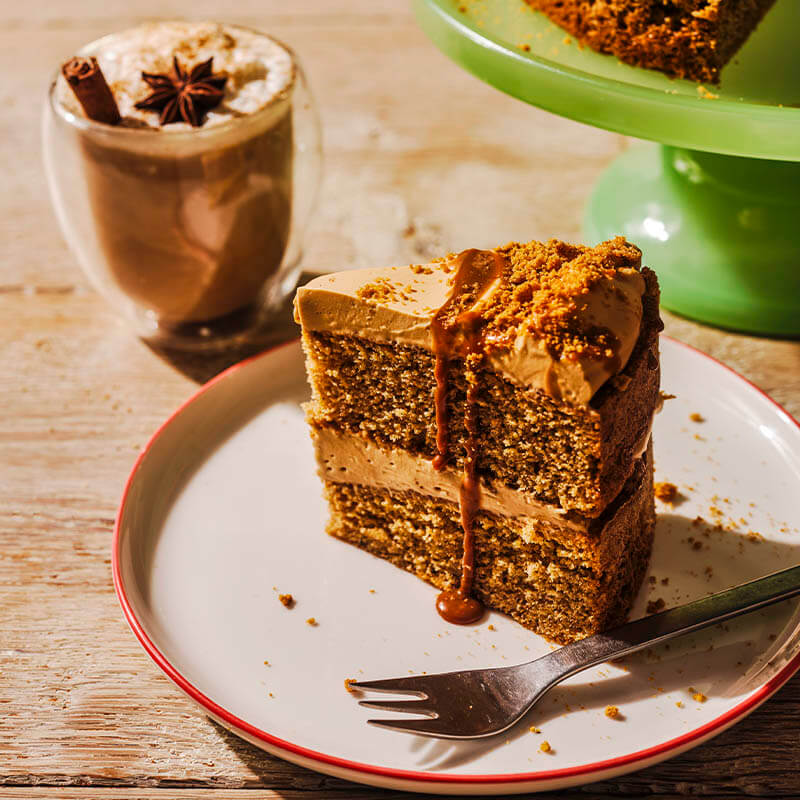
(420, 159)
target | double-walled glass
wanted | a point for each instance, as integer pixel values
(193, 235)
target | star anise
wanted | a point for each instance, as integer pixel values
(184, 96)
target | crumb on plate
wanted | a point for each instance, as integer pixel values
(654, 606)
(666, 491)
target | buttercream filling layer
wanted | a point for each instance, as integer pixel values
(345, 457)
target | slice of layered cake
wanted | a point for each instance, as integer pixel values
(691, 39)
(484, 422)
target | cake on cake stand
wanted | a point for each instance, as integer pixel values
(715, 205)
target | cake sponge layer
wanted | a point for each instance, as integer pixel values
(561, 584)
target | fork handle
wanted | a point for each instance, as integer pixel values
(657, 628)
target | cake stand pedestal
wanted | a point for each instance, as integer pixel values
(715, 207)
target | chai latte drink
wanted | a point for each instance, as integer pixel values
(190, 192)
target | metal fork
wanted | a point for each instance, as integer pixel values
(470, 704)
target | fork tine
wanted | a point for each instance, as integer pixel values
(396, 685)
(404, 706)
(422, 727)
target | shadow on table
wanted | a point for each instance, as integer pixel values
(269, 770)
(202, 366)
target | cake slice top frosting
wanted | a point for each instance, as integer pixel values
(561, 318)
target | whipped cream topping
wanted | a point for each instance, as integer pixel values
(399, 304)
(260, 71)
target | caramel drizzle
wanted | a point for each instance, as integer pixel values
(477, 273)
(440, 403)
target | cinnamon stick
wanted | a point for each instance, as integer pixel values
(87, 81)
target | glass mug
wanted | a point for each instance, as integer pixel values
(193, 235)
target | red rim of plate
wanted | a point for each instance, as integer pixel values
(659, 752)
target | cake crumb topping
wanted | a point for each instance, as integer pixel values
(545, 291)
(382, 290)
(548, 290)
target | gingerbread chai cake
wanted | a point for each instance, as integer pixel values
(484, 422)
(691, 39)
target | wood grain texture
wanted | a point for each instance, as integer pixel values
(420, 159)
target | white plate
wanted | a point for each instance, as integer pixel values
(223, 511)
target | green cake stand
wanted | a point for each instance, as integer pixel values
(715, 206)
